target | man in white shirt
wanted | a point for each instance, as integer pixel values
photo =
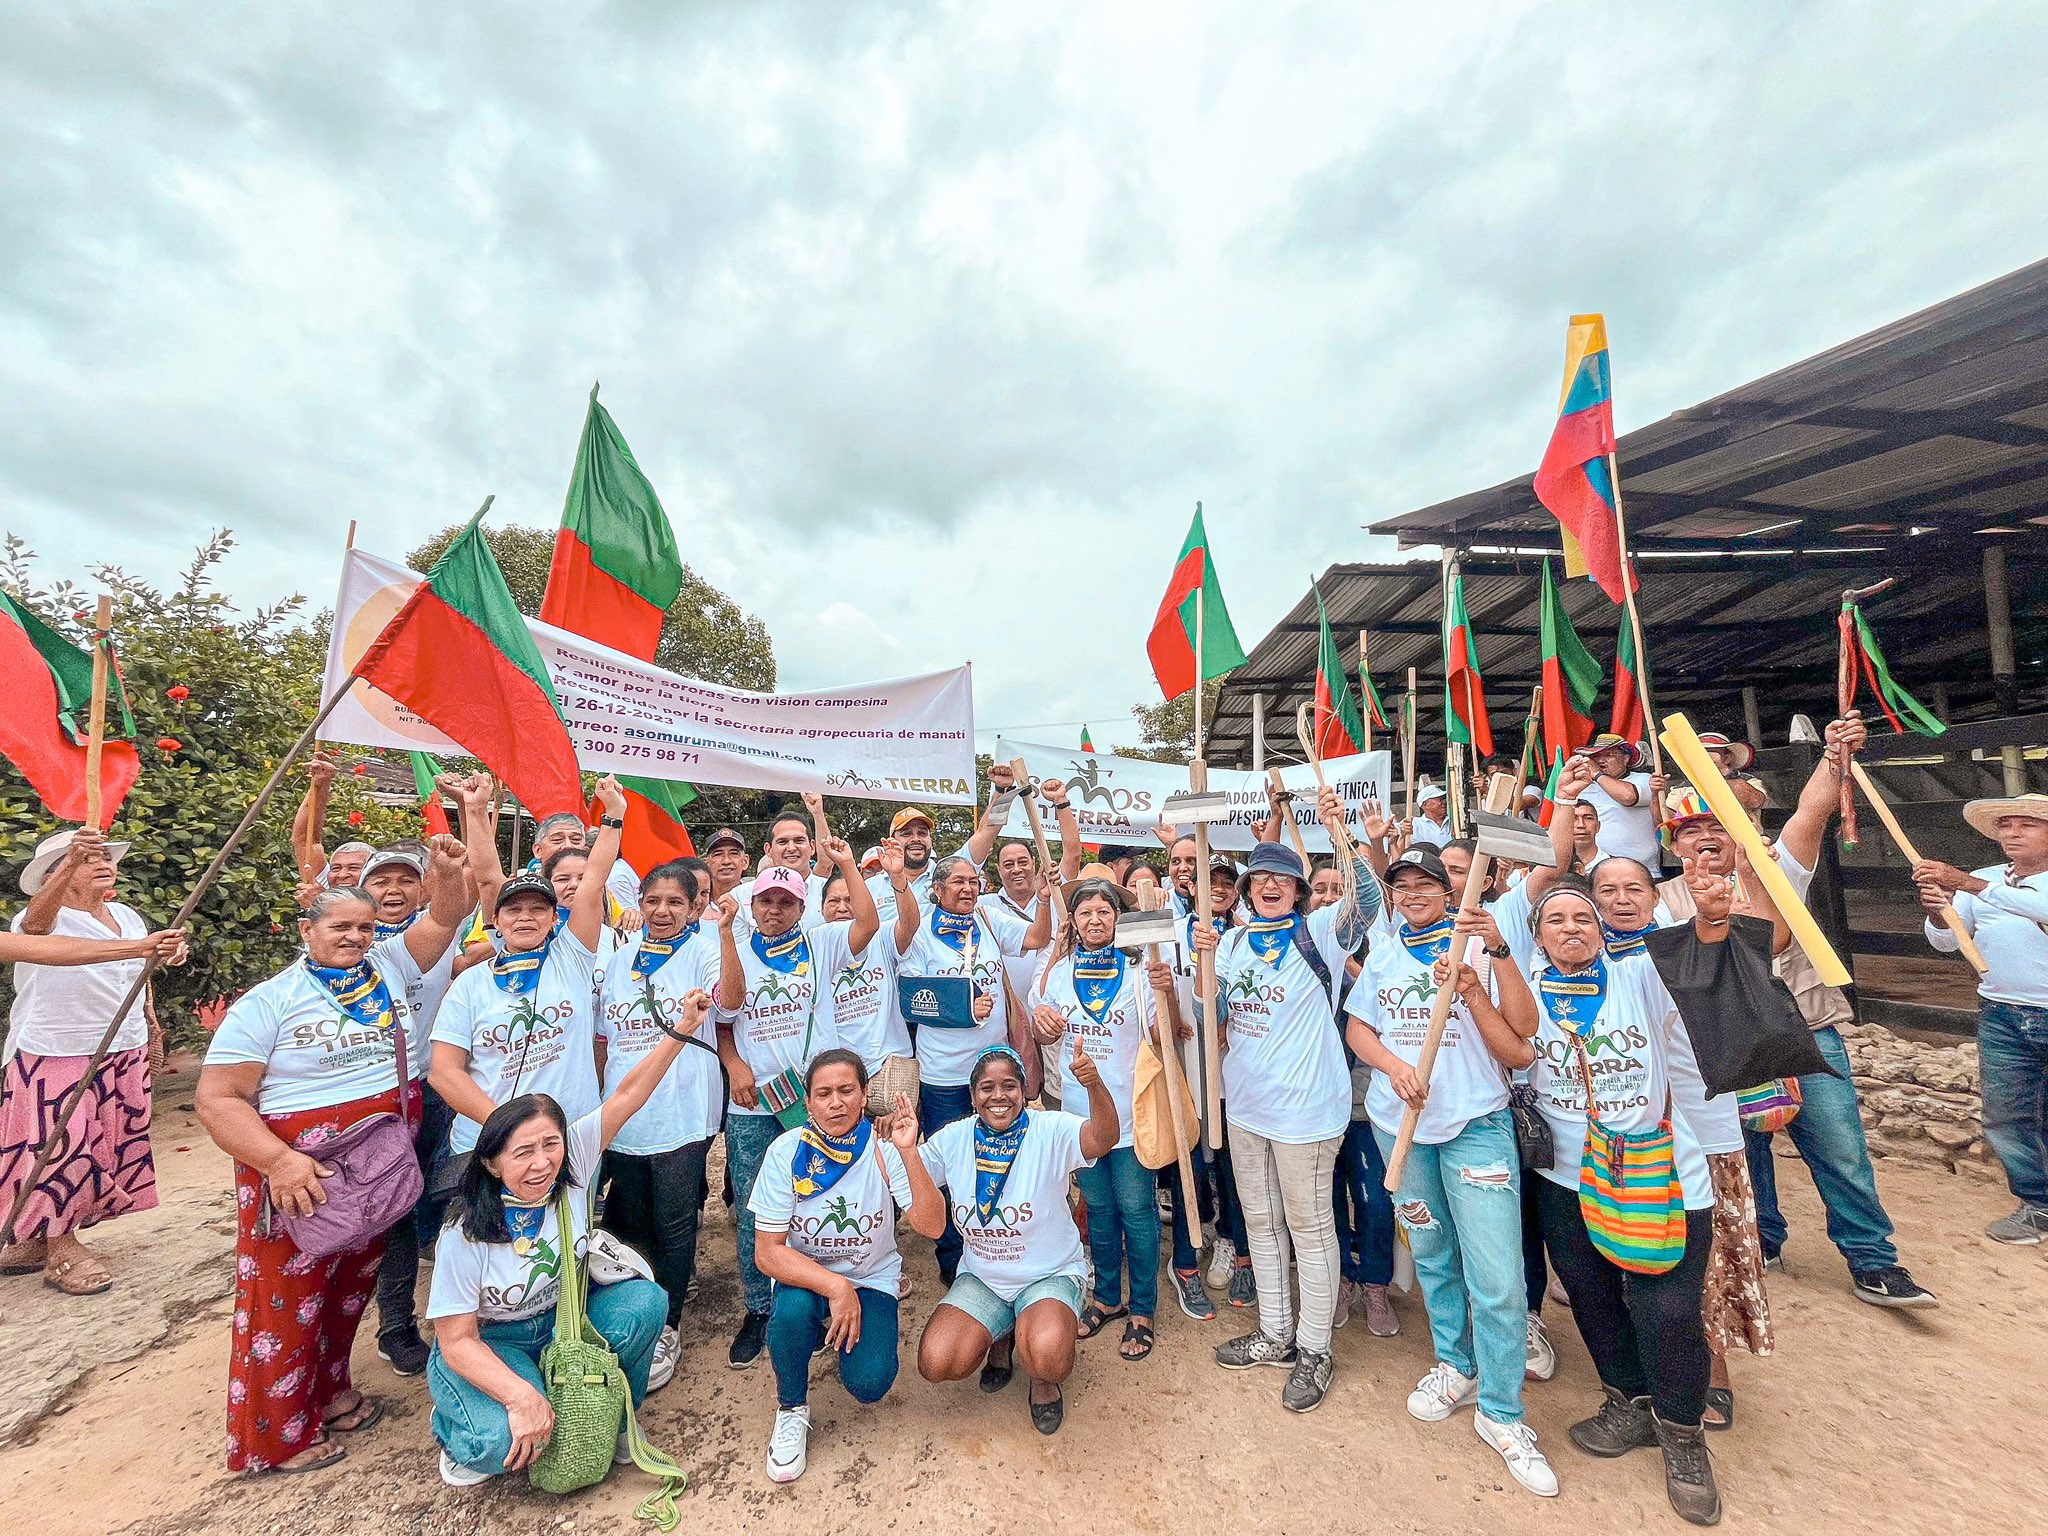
(1625, 798)
(2005, 909)
(1432, 822)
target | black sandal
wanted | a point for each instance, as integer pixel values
(1046, 1417)
(1139, 1333)
(1720, 1400)
(996, 1377)
(1095, 1317)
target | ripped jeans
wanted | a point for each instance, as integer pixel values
(1460, 1203)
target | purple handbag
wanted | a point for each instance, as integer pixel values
(376, 1179)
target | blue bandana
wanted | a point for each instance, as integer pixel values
(1621, 943)
(525, 1223)
(1270, 937)
(994, 1152)
(358, 990)
(1573, 1002)
(952, 928)
(517, 975)
(1098, 977)
(821, 1160)
(393, 930)
(789, 953)
(1430, 944)
(653, 954)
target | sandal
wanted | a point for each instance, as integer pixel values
(1720, 1400)
(318, 1464)
(367, 1411)
(26, 1257)
(1046, 1417)
(91, 1277)
(1095, 1317)
(995, 1377)
(1139, 1334)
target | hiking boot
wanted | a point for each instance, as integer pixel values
(1517, 1446)
(1342, 1314)
(1244, 1286)
(1308, 1382)
(1891, 1286)
(1441, 1393)
(403, 1350)
(1689, 1473)
(1194, 1301)
(1222, 1256)
(748, 1342)
(1623, 1424)
(1381, 1321)
(1253, 1348)
(2026, 1226)
(1539, 1358)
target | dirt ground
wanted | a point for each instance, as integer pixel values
(1863, 1419)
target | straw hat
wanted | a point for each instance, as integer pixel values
(50, 853)
(1740, 753)
(1607, 741)
(1981, 814)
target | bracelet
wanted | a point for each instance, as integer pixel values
(671, 1031)
(1059, 805)
(616, 823)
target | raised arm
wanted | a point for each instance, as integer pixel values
(1822, 796)
(990, 826)
(906, 903)
(473, 793)
(1362, 897)
(821, 829)
(40, 916)
(867, 921)
(638, 1085)
(1039, 932)
(1070, 828)
(448, 903)
(309, 824)
(732, 977)
(586, 910)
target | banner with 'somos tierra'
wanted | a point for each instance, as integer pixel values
(908, 739)
(1118, 799)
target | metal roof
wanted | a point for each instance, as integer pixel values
(1930, 431)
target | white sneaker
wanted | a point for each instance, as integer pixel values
(668, 1353)
(1441, 1393)
(456, 1475)
(1540, 1359)
(789, 1447)
(1222, 1259)
(1517, 1446)
(622, 1453)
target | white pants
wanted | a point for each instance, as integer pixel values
(1285, 1192)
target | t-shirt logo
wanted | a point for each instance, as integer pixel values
(772, 989)
(925, 1000)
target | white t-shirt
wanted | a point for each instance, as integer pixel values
(946, 1056)
(539, 1043)
(509, 1282)
(920, 887)
(684, 1105)
(1396, 996)
(1638, 1052)
(777, 1028)
(313, 1054)
(2006, 920)
(623, 885)
(1628, 830)
(1284, 1074)
(861, 1000)
(62, 1010)
(1111, 1041)
(851, 1228)
(1031, 1234)
(1437, 833)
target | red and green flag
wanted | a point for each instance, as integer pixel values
(44, 721)
(1464, 686)
(654, 831)
(1626, 719)
(1868, 661)
(1369, 696)
(1571, 677)
(615, 568)
(433, 815)
(459, 656)
(1339, 729)
(1173, 643)
(1087, 741)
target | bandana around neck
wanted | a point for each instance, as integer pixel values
(1430, 944)
(994, 1153)
(1573, 1002)
(1098, 977)
(1270, 937)
(517, 975)
(386, 930)
(952, 928)
(1623, 942)
(653, 954)
(822, 1160)
(788, 953)
(358, 990)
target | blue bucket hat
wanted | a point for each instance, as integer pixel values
(1275, 859)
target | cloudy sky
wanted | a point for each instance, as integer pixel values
(932, 322)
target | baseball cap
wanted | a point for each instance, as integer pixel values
(523, 885)
(870, 858)
(389, 857)
(1423, 861)
(906, 816)
(726, 835)
(778, 877)
(1429, 792)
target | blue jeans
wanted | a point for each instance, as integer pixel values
(747, 1138)
(1365, 1211)
(1461, 1204)
(1123, 1228)
(938, 1107)
(471, 1424)
(796, 1327)
(1828, 1131)
(2012, 1060)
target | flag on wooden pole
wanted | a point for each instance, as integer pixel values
(1571, 677)
(1339, 729)
(1626, 718)
(1171, 644)
(433, 815)
(1465, 719)
(1575, 481)
(1370, 703)
(1866, 660)
(43, 725)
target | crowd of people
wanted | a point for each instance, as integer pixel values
(961, 1044)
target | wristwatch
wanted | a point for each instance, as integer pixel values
(617, 822)
(1500, 953)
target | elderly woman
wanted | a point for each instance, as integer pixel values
(1018, 1295)
(299, 1059)
(1287, 1097)
(834, 1260)
(77, 952)
(503, 1256)
(1090, 990)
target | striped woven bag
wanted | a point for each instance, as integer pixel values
(1629, 1194)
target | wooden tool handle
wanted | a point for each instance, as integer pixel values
(1151, 899)
(1949, 915)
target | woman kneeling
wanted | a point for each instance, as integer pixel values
(834, 1260)
(1020, 1278)
(502, 1258)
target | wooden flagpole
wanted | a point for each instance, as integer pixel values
(1949, 915)
(1287, 817)
(1151, 899)
(1205, 960)
(1408, 746)
(96, 729)
(1528, 746)
(1635, 629)
(1364, 703)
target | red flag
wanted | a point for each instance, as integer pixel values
(1626, 721)
(1171, 645)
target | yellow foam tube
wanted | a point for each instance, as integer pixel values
(1683, 743)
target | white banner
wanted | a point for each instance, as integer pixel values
(1117, 799)
(909, 739)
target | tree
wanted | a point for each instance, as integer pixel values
(253, 685)
(1169, 727)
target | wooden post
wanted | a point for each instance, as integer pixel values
(1150, 899)
(1205, 962)
(1998, 626)
(1528, 748)
(1408, 746)
(1635, 627)
(1752, 720)
(1949, 914)
(96, 737)
(1258, 732)
(1365, 699)
(1497, 792)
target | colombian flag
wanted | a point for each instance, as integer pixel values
(1574, 482)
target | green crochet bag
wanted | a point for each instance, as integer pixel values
(588, 1391)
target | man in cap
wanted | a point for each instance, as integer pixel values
(1624, 797)
(1828, 1130)
(1432, 822)
(725, 855)
(2005, 908)
(1733, 758)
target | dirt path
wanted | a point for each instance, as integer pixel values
(1919, 1422)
